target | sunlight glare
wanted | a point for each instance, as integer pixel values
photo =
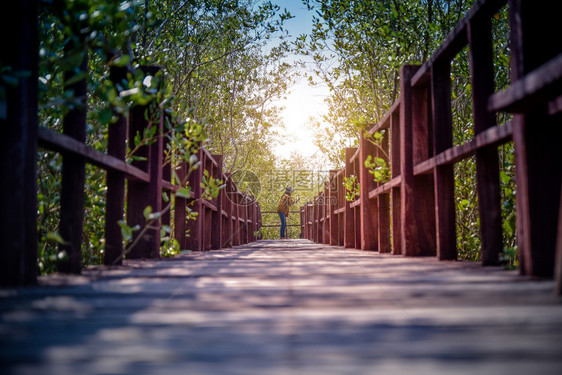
(302, 103)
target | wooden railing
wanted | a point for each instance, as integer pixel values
(231, 219)
(228, 220)
(416, 208)
(274, 213)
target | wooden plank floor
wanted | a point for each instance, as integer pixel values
(284, 307)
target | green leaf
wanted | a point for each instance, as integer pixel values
(183, 193)
(176, 178)
(126, 231)
(105, 116)
(380, 162)
(137, 139)
(122, 60)
(505, 178)
(56, 237)
(147, 211)
(76, 78)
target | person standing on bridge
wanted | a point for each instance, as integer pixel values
(283, 210)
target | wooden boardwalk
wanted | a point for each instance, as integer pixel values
(283, 307)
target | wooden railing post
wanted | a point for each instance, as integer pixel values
(341, 205)
(395, 166)
(536, 136)
(139, 194)
(71, 224)
(236, 227)
(443, 176)
(180, 206)
(306, 218)
(166, 172)
(417, 200)
(195, 227)
(303, 221)
(18, 147)
(216, 220)
(325, 212)
(259, 220)
(487, 163)
(315, 219)
(228, 208)
(368, 210)
(349, 219)
(115, 197)
(558, 264)
(244, 217)
(253, 211)
(383, 201)
(332, 206)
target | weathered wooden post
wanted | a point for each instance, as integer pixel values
(236, 227)
(253, 212)
(180, 207)
(228, 212)
(443, 176)
(311, 220)
(18, 146)
(166, 171)
(332, 206)
(243, 219)
(341, 206)
(536, 136)
(558, 264)
(71, 224)
(195, 227)
(417, 200)
(356, 205)
(325, 213)
(301, 218)
(487, 164)
(314, 230)
(395, 172)
(259, 222)
(349, 219)
(383, 201)
(115, 196)
(368, 210)
(141, 194)
(318, 217)
(216, 220)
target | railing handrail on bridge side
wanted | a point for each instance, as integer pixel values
(416, 209)
(221, 222)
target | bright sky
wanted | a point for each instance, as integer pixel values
(303, 101)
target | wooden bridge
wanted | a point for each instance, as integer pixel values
(283, 307)
(298, 306)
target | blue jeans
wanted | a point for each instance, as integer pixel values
(283, 232)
